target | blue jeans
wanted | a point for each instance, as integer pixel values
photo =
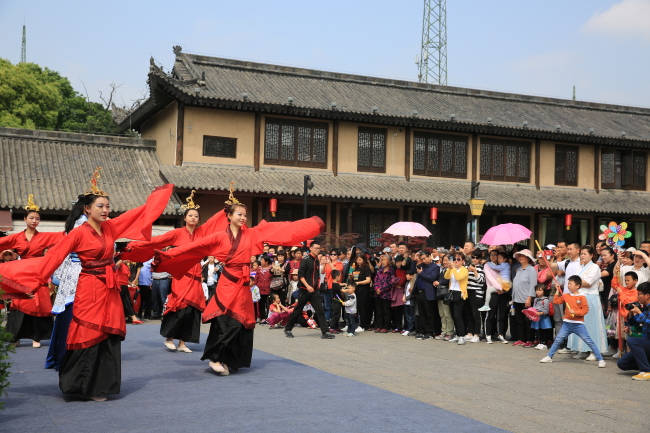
(409, 324)
(637, 357)
(580, 330)
(327, 304)
(349, 320)
(159, 293)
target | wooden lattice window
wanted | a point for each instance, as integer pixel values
(505, 160)
(439, 155)
(566, 165)
(371, 223)
(623, 169)
(291, 142)
(223, 147)
(372, 150)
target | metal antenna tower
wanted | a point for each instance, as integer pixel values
(433, 54)
(23, 52)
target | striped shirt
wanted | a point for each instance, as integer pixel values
(476, 281)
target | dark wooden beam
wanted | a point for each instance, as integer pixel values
(407, 154)
(256, 142)
(180, 127)
(538, 152)
(349, 213)
(597, 169)
(335, 148)
(475, 156)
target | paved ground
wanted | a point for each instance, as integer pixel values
(166, 391)
(497, 384)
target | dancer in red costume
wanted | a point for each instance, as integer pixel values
(186, 302)
(31, 318)
(92, 364)
(230, 312)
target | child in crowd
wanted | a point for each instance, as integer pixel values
(503, 267)
(351, 308)
(409, 306)
(543, 326)
(574, 320)
(254, 267)
(278, 313)
(338, 293)
(293, 287)
(625, 295)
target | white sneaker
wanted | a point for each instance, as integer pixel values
(602, 364)
(591, 357)
(564, 351)
(475, 339)
(581, 355)
(617, 355)
(546, 359)
(344, 329)
(461, 341)
(488, 339)
(359, 329)
(455, 339)
(541, 346)
(170, 345)
(405, 333)
(502, 339)
(484, 308)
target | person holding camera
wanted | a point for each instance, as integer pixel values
(639, 347)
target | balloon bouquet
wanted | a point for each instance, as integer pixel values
(615, 235)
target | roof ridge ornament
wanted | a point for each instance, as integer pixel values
(177, 49)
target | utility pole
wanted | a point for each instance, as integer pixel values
(432, 66)
(23, 52)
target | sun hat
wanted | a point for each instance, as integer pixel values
(527, 253)
(294, 272)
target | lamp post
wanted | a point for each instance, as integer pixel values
(308, 185)
(476, 208)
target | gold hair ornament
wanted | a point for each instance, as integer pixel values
(231, 199)
(31, 206)
(190, 203)
(93, 185)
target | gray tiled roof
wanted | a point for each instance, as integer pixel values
(422, 191)
(220, 81)
(56, 167)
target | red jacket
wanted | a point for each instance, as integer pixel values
(263, 281)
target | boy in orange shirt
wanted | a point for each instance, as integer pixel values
(574, 320)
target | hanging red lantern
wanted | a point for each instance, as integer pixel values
(567, 221)
(434, 215)
(273, 206)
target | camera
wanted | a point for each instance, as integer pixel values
(631, 306)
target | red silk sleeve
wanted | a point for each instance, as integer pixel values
(289, 233)
(136, 223)
(141, 251)
(9, 242)
(26, 276)
(217, 223)
(178, 261)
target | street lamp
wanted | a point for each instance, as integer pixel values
(308, 185)
(476, 208)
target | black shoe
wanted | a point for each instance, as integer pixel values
(288, 334)
(419, 336)
(427, 337)
(328, 335)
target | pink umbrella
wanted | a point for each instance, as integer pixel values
(506, 234)
(406, 228)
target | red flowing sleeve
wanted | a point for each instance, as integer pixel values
(218, 222)
(178, 261)
(136, 223)
(141, 251)
(289, 233)
(50, 239)
(9, 242)
(26, 276)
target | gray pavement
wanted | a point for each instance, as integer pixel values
(497, 384)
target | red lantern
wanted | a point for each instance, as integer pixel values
(434, 215)
(567, 221)
(273, 206)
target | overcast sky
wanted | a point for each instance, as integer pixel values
(538, 48)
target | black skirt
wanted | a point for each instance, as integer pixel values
(94, 371)
(229, 343)
(32, 327)
(184, 324)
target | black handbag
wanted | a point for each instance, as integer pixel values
(441, 291)
(449, 298)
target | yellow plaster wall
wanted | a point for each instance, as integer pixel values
(586, 155)
(158, 128)
(349, 143)
(218, 123)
